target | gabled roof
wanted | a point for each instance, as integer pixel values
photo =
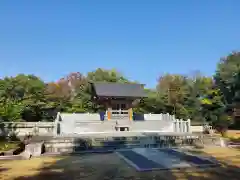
(104, 89)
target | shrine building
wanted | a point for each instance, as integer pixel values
(118, 98)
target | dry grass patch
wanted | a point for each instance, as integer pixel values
(224, 155)
(233, 134)
(110, 166)
(14, 168)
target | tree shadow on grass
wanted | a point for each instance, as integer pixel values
(108, 166)
(2, 169)
(75, 167)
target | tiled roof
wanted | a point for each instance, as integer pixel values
(119, 89)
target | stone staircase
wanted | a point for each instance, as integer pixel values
(108, 142)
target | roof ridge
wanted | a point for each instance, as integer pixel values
(104, 82)
(119, 89)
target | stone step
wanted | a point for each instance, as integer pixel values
(107, 147)
(77, 144)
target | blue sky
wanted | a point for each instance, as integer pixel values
(141, 38)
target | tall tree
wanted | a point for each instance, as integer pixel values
(173, 90)
(22, 96)
(199, 87)
(63, 94)
(227, 80)
(227, 70)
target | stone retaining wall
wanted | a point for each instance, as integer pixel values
(75, 144)
(26, 128)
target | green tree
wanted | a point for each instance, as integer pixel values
(225, 76)
(227, 80)
(199, 86)
(173, 90)
(21, 94)
(151, 104)
(102, 75)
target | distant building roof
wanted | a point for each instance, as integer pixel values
(103, 89)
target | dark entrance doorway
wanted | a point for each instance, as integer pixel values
(122, 128)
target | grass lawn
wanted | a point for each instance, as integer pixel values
(233, 134)
(110, 166)
(5, 146)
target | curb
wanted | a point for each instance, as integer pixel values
(76, 153)
(11, 157)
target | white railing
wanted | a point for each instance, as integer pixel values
(180, 125)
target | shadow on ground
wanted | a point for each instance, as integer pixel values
(2, 169)
(109, 166)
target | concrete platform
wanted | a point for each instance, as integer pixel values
(119, 140)
(125, 134)
(148, 159)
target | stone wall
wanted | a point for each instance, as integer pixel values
(110, 141)
(26, 128)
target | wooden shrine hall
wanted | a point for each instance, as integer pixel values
(118, 99)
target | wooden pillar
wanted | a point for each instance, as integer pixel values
(108, 108)
(130, 112)
(109, 113)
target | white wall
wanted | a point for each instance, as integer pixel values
(196, 128)
(152, 125)
(86, 122)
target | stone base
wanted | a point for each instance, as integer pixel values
(33, 149)
(143, 159)
(147, 140)
(12, 157)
